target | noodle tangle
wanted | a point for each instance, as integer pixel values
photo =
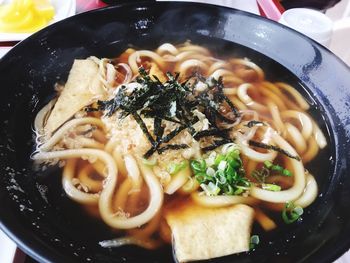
(104, 152)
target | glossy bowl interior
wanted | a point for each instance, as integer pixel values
(36, 213)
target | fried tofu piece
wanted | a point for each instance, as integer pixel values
(82, 88)
(202, 233)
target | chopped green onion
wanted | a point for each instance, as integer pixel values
(234, 154)
(286, 172)
(254, 241)
(210, 171)
(277, 168)
(234, 163)
(210, 189)
(174, 168)
(220, 177)
(260, 175)
(291, 213)
(149, 162)
(198, 166)
(222, 165)
(229, 147)
(218, 159)
(229, 190)
(201, 177)
(225, 171)
(271, 187)
(238, 191)
(268, 164)
(211, 158)
(298, 210)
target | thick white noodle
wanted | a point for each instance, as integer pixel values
(310, 192)
(218, 65)
(304, 120)
(225, 73)
(242, 94)
(319, 136)
(277, 120)
(155, 203)
(79, 153)
(128, 72)
(296, 138)
(41, 116)
(135, 58)
(252, 154)
(167, 48)
(192, 63)
(251, 65)
(296, 95)
(133, 171)
(195, 48)
(72, 191)
(299, 178)
(89, 143)
(178, 180)
(66, 127)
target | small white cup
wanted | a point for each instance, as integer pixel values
(310, 22)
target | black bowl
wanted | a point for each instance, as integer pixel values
(36, 213)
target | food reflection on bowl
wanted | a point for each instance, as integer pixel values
(180, 145)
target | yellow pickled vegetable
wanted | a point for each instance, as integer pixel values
(25, 16)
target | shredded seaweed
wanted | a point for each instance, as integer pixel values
(172, 147)
(212, 132)
(143, 127)
(274, 148)
(216, 144)
(254, 123)
(174, 102)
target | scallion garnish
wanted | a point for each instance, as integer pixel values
(254, 241)
(149, 162)
(271, 187)
(291, 213)
(267, 169)
(225, 171)
(174, 168)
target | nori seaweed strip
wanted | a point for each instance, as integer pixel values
(232, 106)
(143, 128)
(165, 139)
(220, 85)
(152, 114)
(253, 123)
(172, 134)
(211, 117)
(273, 147)
(172, 147)
(211, 132)
(172, 101)
(189, 127)
(216, 144)
(222, 117)
(158, 129)
(150, 152)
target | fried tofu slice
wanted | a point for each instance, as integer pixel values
(202, 233)
(82, 88)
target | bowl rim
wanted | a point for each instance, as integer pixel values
(34, 249)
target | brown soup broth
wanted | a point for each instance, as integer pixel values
(86, 229)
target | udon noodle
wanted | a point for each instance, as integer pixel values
(107, 168)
